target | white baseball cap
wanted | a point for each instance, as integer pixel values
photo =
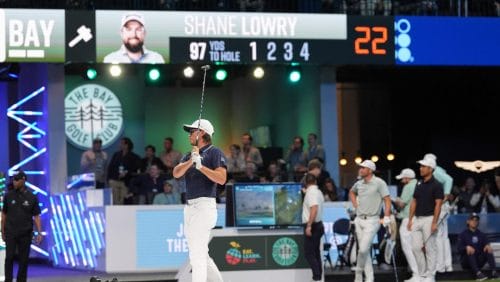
(407, 172)
(205, 125)
(132, 16)
(430, 162)
(430, 155)
(368, 164)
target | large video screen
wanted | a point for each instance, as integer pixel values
(267, 205)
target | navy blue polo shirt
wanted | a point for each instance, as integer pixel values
(197, 184)
(426, 194)
(20, 207)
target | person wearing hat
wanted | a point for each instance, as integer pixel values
(367, 196)
(407, 178)
(203, 169)
(444, 263)
(475, 249)
(20, 210)
(95, 160)
(133, 34)
(425, 208)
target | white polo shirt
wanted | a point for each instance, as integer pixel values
(313, 197)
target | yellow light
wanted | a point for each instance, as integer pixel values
(343, 161)
(358, 160)
(390, 157)
(374, 158)
(115, 70)
(258, 73)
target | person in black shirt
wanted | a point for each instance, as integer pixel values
(203, 169)
(475, 249)
(20, 210)
(147, 185)
(423, 220)
(123, 166)
(151, 159)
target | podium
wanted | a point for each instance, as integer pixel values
(244, 255)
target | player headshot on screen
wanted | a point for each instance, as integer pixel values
(133, 34)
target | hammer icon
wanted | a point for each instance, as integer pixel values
(84, 33)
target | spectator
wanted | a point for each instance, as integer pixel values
(475, 250)
(486, 199)
(295, 159)
(330, 192)
(465, 195)
(151, 159)
(315, 150)
(95, 161)
(169, 195)
(315, 167)
(170, 157)
(274, 173)
(147, 185)
(250, 173)
(235, 160)
(251, 153)
(123, 166)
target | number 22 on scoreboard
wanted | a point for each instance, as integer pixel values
(377, 35)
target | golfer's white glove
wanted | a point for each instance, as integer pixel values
(196, 158)
(386, 221)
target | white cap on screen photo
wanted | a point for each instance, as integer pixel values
(132, 16)
(407, 172)
(430, 155)
(205, 125)
(368, 164)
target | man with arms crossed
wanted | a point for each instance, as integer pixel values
(367, 196)
(423, 221)
(203, 169)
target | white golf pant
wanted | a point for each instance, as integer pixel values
(421, 233)
(200, 216)
(406, 245)
(443, 242)
(365, 232)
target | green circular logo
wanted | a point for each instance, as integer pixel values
(285, 251)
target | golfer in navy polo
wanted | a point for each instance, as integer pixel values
(203, 168)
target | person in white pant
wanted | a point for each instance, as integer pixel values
(407, 178)
(203, 169)
(444, 263)
(425, 208)
(367, 196)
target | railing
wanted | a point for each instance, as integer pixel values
(461, 8)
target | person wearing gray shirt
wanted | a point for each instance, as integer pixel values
(367, 196)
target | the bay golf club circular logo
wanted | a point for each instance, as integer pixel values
(92, 111)
(285, 251)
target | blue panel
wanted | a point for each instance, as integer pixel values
(447, 41)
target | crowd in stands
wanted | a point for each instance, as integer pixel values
(149, 180)
(352, 7)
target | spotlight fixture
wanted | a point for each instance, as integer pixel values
(358, 160)
(115, 70)
(374, 158)
(154, 74)
(188, 72)
(258, 72)
(221, 74)
(294, 75)
(390, 157)
(91, 73)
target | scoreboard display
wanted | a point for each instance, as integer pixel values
(178, 37)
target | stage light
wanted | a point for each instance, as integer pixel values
(258, 73)
(390, 157)
(154, 74)
(115, 70)
(374, 158)
(188, 72)
(221, 74)
(343, 162)
(358, 160)
(91, 73)
(294, 75)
